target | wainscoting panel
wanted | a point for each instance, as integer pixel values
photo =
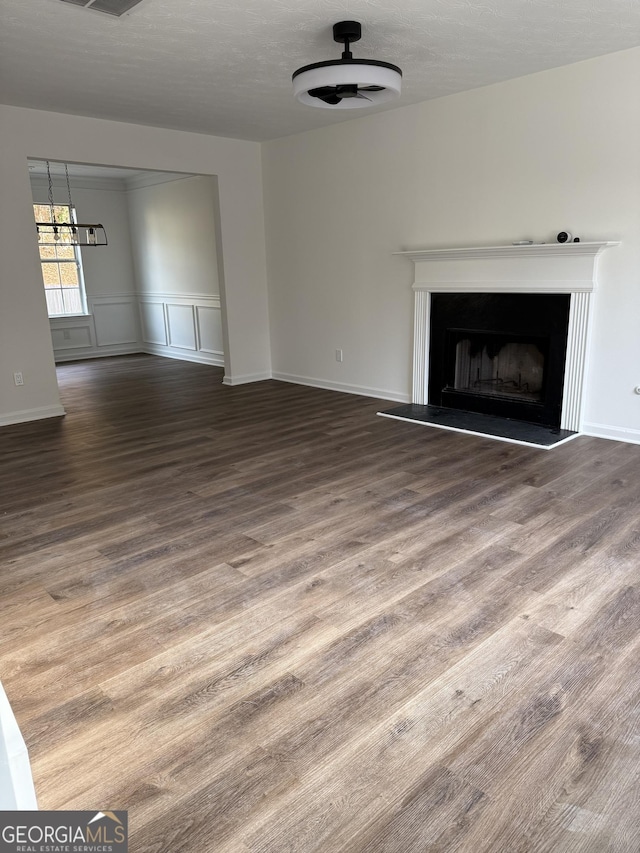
(78, 335)
(154, 325)
(110, 328)
(181, 326)
(184, 326)
(209, 328)
(115, 321)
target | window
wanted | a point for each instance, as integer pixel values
(61, 266)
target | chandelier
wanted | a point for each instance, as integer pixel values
(68, 232)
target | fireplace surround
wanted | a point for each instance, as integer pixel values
(493, 366)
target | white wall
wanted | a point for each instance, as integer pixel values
(111, 326)
(25, 342)
(522, 159)
(173, 226)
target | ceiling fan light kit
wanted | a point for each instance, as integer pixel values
(347, 83)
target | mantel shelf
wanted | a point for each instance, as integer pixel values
(534, 249)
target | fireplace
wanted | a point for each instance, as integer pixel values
(500, 339)
(500, 354)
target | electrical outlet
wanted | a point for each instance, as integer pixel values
(338, 355)
(17, 378)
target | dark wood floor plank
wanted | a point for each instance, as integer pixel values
(263, 620)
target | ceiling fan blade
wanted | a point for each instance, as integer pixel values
(328, 94)
(371, 88)
(360, 95)
(347, 90)
(321, 91)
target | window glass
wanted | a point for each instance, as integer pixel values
(61, 263)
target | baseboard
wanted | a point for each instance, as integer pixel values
(104, 352)
(360, 390)
(246, 378)
(198, 357)
(630, 436)
(37, 414)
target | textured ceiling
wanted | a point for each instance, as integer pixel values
(224, 66)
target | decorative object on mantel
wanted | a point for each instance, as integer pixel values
(70, 233)
(347, 83)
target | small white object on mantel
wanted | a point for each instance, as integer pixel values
(534, 268)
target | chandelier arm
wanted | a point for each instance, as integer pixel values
(51, 205)
(66, 171)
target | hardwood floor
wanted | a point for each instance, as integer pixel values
(263, 620)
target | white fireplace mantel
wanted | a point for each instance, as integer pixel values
(569, 268)
(535, 268)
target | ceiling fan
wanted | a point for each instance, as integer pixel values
(347, 83)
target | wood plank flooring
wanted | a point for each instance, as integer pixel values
(263, 619)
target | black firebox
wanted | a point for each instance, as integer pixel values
(500, 354)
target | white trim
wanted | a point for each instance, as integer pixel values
(16, 782)
(508, 286)
(182, 355)
(421, 330)
(480, 434)
(575, 361)
(591, 248)
(24, 415)
(153, 179)
(613, 433)
(62, 356)
(84, 347)
(62, 320)
(86, 182)
(188, 298)
(145, 340)
(106, 302)
(189, 347)
(246, 378)
(199, 324)
(360, 390)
